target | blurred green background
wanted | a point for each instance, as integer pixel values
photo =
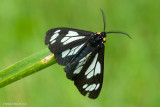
(131, 73)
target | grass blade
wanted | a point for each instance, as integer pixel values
(26, 67)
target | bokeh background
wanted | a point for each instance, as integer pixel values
(132, 67)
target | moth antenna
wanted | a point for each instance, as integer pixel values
(120, 33)
(104, 21)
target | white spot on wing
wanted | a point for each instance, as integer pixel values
(92, 64)
(82, 61)
(73, 39)
(77, 70)
(64, 53)
(88, 88)
(57, 31)
(76, 50)
(85, 86)
(53, 41)
(98, 68)
(64, 39)
(90, 74)
(55, 35)
(93, 87)
(72, 33)
(97, 86)
(79, 64)
(71, 53)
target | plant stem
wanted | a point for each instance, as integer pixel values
(26, 67)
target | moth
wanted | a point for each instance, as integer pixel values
(82, 54)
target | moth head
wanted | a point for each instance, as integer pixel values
(102, 36)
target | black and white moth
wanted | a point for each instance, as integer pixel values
(82, 52)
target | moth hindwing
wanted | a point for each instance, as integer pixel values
(87, 73)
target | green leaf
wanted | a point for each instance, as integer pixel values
(26, 67)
